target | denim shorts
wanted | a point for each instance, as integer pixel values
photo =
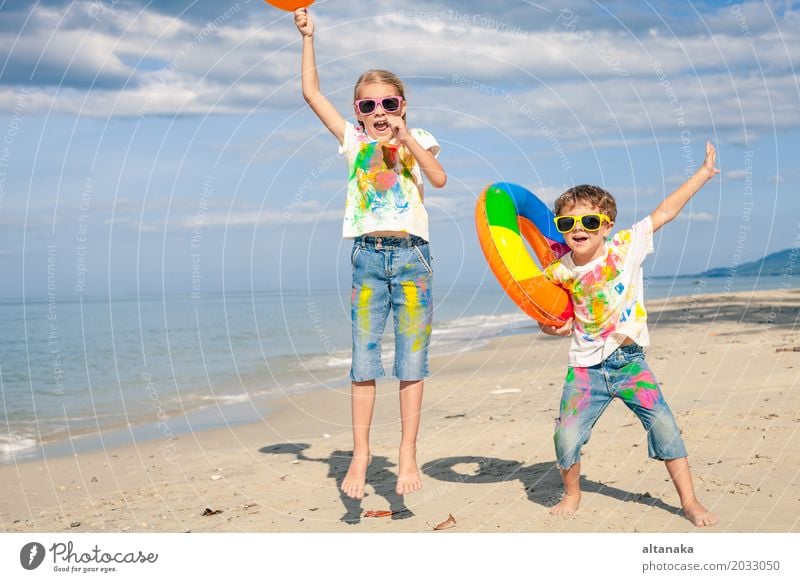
(588, 391)
(391, 273)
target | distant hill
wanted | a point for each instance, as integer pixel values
(774, 264)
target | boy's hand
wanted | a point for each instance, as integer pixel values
(562, 331)
(674, 203)
(303, 22)
(711, 160)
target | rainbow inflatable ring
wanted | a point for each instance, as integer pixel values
(506, 213)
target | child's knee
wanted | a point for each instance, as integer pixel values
(664, 438)
(568, 442)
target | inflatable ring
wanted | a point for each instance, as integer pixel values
(506, 213)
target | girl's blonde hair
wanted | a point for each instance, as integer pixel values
(380, 76)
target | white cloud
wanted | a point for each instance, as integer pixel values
(305, 212)
(577, 82)
(697, 217)
(737, 174)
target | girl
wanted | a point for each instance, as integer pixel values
(387, 221)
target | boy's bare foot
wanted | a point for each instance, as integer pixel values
(567, 506)
(699, 515)
(356, 478)
(408, 479)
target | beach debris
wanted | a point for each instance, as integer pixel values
(378, 512)
(209, 511)
(94, 479)
(75, 524)
(506, 391)
(446, 524)
(792, 349)
(249, 506)
(387, 512)
(326, 436)
(642, 497)
(216, 477)
(462, 415)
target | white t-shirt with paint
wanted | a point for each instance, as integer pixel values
(607, 295)
(384, 186)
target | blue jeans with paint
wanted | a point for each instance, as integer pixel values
(588, 391)
(391, 273)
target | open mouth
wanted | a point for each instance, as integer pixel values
(381, 126)
(580, 238)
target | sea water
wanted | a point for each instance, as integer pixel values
(81, 374)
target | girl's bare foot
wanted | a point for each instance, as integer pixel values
(408, 479)
(567, 506)
(699, 515)
(356, 478)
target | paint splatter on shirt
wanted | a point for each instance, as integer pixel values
(384, 187)
(607, 295)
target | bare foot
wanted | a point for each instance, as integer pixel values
(699, 515)
(567, 506)
(408, 479)
(356, 478)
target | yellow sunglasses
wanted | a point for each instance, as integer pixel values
(589, 222)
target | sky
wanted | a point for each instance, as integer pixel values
(165, 147)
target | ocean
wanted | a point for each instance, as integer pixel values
(82, 374)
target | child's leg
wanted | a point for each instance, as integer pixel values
(572, 492)
(369, 304)
(362, 401)
(637, 387)
(583, 400)
(412, 302)
(682, 478)
(408, 479)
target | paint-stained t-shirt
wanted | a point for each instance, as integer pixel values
(607, 295)
(384, 187)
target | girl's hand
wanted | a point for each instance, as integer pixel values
(398, 128)
(562, 331)
(303, 22)
(711, 159)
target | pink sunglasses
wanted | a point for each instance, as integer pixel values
(390, 104)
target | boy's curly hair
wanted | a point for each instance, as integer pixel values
(593, 195)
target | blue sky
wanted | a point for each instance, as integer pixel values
(156, 146)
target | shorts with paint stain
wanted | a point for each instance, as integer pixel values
(588, 391)
(391, 274)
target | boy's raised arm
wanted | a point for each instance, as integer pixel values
(674, 203)
(310, 79)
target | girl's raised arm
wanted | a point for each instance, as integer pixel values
(310, 79)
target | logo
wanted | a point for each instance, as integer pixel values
(32, 555)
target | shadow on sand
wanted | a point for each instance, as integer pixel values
(541, 481)
(382, 480)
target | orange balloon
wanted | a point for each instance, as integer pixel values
(290, 5)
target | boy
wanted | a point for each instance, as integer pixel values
(604, 280)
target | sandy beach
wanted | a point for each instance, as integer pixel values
(729, 367)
